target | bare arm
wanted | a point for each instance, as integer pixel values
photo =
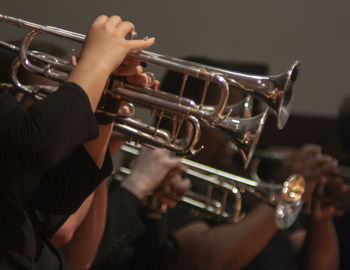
(66, 231)
(97, 148)
(81, 250)
(83, 230)
(229, 246)
(321, 246)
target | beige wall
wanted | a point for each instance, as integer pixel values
(276, 32)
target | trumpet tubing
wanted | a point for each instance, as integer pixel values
(275, 91)
(50, 72)
(244, 133)
(286, 198)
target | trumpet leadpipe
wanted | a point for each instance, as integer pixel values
(286, 198)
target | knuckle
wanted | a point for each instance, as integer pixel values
(130, 24)
(116, 17)
(102, 16)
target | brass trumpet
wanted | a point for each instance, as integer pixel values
(286, 198)
(276, 91)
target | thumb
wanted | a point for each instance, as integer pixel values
(141, 43)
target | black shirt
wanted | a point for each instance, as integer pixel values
(45, 173)
(131, 239)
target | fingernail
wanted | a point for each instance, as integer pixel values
(123, 111)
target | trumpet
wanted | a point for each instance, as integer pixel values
(279, 156)
(243, 132)
(276, 91)
(287, 198)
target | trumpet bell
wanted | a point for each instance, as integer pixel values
(293, 189)
(290, 201)
(244, 133)
(286, 199)
(286, 82)
(275, 91)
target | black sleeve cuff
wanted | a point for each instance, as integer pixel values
(133, 201)
(64, 188)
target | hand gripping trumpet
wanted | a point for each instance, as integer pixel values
(276, 91)
(287, 198)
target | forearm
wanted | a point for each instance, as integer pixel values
(97, 148)
(231, 246)
(321, 249)
(91, 78)
(66, 231)
(81, 250)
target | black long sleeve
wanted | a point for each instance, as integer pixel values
(43, 135)
(123, 225)
(132, 239)
(42, 146)
(63, 189)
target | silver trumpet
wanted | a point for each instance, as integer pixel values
(242, 128)
(244, 133)
(275, 91)
(287, 198)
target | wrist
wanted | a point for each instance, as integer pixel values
(90, 81)
(135, 185)
(312, 220)
(95, 66)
